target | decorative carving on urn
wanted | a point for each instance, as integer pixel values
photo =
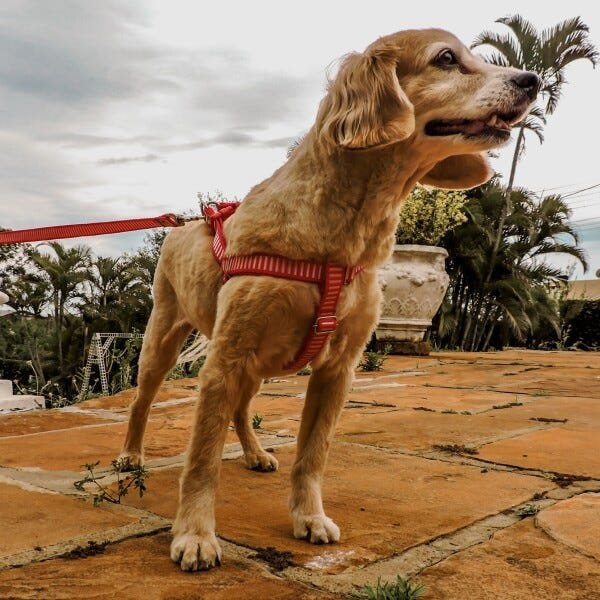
(413, 284)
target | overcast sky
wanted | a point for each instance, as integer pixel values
(118, 109)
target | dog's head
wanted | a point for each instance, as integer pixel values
(427, 87)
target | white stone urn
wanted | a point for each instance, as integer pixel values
(4, 308)
(413, 282)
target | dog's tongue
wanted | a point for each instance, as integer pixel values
(474, 127)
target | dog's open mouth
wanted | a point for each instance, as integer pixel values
(497, 125)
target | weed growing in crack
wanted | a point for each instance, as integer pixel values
(563, 481)
(527, 510)
(304, 371)
(401, 589)
(507, 405)
(276, 559)
(455, 449)
(135, 478)
(92, 549)
(372, 361)
(256, 421)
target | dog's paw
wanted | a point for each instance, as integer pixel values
(195, 552)
(261, 461)
(317, 529)
(129, 461)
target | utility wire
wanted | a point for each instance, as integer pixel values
(591, 187)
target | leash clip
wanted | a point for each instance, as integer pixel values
(213, 206)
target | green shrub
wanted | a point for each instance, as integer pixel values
(372, 361)
(427, 215)
(581, 323)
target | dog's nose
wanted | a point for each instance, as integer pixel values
(529, 82)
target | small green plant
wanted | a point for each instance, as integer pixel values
(372, 361)
(449, 411)
(135, 478)
(527, 510)
(256, 421)
(401, 589)
(304, 371)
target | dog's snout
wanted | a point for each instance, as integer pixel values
(528, 82)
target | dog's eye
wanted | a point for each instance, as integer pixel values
(446, 58)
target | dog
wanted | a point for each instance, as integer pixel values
(415, 107)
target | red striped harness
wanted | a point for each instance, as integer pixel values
(329, 276)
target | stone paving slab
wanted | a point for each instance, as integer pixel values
(518, 356)
(575, 522)
(182, 388)
(422, 430)
(532, 380)
(518, 563)
(561, 449)
(46, 420)
(30, 519)
(140, 568)
(581, 411)
(408, 395)
(70, 449)
(387, 504)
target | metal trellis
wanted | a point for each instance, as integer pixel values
(99, 349)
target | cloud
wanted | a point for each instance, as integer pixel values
(129, 159)
(87, 86)
(233, 138)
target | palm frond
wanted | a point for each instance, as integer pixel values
(552, 90)
(508, 52)
(586, 51)
(533, 125)
(528, 39)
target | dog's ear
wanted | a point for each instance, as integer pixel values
(365, 105)
(460, 172)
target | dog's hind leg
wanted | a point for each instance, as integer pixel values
(165, 334)
(254, 454)
(223, 381)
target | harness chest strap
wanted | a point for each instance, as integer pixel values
(330, 277)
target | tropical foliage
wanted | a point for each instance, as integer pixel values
(520, 301)
(63, 296)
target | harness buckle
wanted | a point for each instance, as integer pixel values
(325, 325)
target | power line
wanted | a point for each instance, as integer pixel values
(591, 187)
(559, 187)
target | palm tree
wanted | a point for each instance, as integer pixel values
(65, 270)
(546, 53)
(517, 300)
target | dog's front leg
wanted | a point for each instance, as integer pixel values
(195, 545)
(327, 390)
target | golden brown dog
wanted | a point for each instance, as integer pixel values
(416, 106)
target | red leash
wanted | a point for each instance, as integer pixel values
(86, 229)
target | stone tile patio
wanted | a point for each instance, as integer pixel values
(433, 463)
